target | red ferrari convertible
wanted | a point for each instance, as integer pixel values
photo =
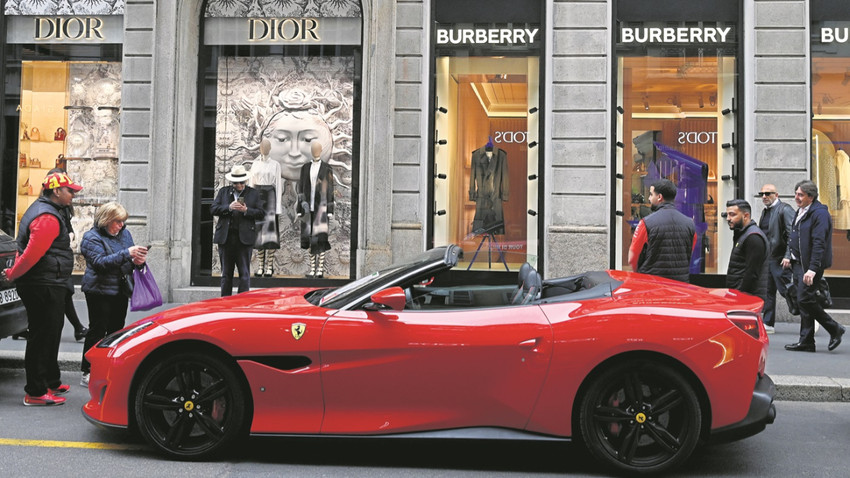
(639, 369)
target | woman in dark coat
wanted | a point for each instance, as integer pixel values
(110, 255)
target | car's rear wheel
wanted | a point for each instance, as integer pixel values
(191, 406)
(641, 417)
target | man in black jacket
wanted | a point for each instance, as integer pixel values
(664, 241)
(811, 255)
(775, 222)
(237, 207)
(747, 270)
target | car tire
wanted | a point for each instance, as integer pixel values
(191, 406)
(640, 417)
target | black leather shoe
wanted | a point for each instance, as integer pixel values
(835, 340)
(81, 334)
(800, 347)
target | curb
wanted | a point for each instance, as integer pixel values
(793, 388)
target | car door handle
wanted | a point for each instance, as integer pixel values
(530, 344)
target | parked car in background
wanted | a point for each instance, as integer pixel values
(639, 369)
(13, 316)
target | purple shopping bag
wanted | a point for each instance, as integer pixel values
(146, 294)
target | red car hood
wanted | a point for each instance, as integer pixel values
(275, 300)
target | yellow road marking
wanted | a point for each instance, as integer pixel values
(67, 444)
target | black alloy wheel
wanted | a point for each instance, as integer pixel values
(191, 406)
(640, 417)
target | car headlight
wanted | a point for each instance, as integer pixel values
(117, 337)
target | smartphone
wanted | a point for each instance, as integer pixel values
(148, 247)
(240, 200)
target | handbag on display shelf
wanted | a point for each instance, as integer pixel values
(26, 188)
(61, 162)
(25, 135)
(22, 162)
(35, 134)
(35, 163)
(59, 135)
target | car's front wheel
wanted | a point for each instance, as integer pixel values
(641, 417)
(191, 406)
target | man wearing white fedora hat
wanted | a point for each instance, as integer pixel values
(237, 207)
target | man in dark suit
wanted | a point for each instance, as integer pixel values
(811, 254)
(776, 220)
(237, 207)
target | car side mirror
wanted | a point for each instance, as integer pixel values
(392, 298)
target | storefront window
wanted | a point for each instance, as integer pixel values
(287, 74)
(486, 154)
(830, 163)
(676, 119)
(62, 96)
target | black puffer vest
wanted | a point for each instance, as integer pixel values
(669, 243)
(55, 267)
(738, 262)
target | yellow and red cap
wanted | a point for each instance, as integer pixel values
(60, 180)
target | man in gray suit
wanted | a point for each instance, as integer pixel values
(776, 219)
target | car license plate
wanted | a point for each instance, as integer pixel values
(8, 296)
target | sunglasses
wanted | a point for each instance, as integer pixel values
(765, 193)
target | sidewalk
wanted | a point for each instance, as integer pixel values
(799, 376)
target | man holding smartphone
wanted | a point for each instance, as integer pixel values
(237, 207)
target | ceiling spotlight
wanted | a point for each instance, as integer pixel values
(701, 102)
(646, 102)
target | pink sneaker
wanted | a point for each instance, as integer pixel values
(45, 400)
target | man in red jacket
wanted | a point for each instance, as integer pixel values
(41, 273)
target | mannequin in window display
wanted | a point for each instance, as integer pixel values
(266, 179)
(489, 187)
(315, 207)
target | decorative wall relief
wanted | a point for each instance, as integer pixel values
(283, 8)
(291, 101)
(64, 7)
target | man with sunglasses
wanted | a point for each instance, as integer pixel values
(775, 222)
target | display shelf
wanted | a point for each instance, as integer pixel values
(71, 107)
(42, 141)
(111, 108)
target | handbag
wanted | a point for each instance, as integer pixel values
(61, 162)
(26, 188)
(146, 295)
(35, 134)
(22, 160)
(822, 294)
(59, 135)
(35, 163)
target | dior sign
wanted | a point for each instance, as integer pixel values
(77, 29)
(68, 28)
(283, 29)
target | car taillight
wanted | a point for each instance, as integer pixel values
(746, 321)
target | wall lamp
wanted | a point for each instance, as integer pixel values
(532, 177)
(620, 109)
(532, 144)
(620, 144)
(442, 109)
(441, 212)
(532, 212)
(532, 110)
(441, 142)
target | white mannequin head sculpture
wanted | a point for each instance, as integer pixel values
(291, 134)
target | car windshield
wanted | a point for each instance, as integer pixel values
(337, 298)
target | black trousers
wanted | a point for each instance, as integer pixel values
(231, 253)
(810, 309)
(106, 315)
(45, 306)
(776, 282)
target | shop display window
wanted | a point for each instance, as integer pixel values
(69, 119)
(676, 113)
(269, 98)
(830, 163)
(486, 160)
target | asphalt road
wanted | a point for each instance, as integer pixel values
(808, 439)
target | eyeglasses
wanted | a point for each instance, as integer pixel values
(765, 193)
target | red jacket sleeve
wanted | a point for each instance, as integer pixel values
(43, 231)
(638, 241)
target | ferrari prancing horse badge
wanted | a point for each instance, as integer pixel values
(298, 330)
